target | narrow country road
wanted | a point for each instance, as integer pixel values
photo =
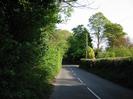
(74, 83)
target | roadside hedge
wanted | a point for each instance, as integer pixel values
(118, 70)
(30, 52)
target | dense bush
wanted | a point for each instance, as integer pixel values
(28, 59)
(119, 70)
(90, 52)
(77, 43)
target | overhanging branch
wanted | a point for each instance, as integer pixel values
(77, 4)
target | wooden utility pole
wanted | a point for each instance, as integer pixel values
(86, 55)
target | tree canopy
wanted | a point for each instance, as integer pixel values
(115, 34)
(96, 25)
(78, 42)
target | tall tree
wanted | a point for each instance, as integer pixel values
(115, 34)
(60, 37)
(78, 42)
(96, 25)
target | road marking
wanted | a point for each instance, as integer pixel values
(85, 85)
(93, 93)
(73, 72)
(80, 80)
(77, 77)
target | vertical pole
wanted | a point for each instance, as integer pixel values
(86, 56)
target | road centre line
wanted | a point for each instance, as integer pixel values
(85, 85)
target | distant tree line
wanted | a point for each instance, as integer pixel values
(100, 30)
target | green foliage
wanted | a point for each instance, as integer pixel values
(96, 25)
(119, 70)
(29, 58)
(117, 52)
(91, 54)
(106, 54)
(52, 62)
(114, 34)
(57, 47)
(62, 37)
(77, 43)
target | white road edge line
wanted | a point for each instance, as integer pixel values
(86, 86)
(73, 72)
(80, 81)
(93, 93)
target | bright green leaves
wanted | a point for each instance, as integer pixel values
(29, 57)
(114, 33)
(78, 42)
(90, 52)
(96, 25)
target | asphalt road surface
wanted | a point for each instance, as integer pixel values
(75, 83)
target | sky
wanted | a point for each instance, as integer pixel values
(117, 11)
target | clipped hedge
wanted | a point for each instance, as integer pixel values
(119, 70)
